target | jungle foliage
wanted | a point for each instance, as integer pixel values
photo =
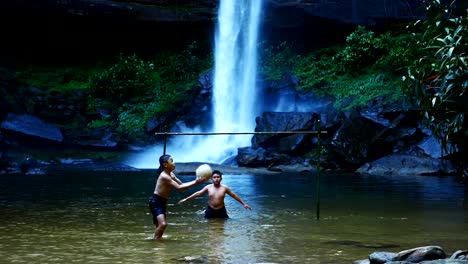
(131, 87)
(437, 81)
(136, 88)
(367, 66)
(53, 78)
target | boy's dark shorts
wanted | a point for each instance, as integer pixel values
(213, 213)
(157, 206)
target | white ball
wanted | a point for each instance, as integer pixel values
(204, 172)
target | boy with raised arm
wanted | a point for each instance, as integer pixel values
(216, 194)
(164, 184)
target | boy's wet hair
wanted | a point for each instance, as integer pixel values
(217, 172)
(162, 159)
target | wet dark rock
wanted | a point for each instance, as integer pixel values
(425, 254)
(460, 254)
(407, 165)
(159, 123)
(284, 121)
(98, 144)
(381, 257)
(420, 254)
(193, 259)
(28, 126)
(293, 168)
(432, 147)
(251, 157)
(76, 161)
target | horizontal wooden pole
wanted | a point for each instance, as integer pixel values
(238, 133)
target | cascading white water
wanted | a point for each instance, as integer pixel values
(234, 93)
(234, 90)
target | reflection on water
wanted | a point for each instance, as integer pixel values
(103, 218)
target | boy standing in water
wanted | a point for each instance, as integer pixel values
(164, 184)
(216, 193)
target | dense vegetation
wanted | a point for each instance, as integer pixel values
(430, 54)
(368, 66)
(437, 80)
(131, 87)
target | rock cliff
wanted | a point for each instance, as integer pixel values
(280, 12)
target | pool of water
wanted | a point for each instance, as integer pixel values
(103, 218)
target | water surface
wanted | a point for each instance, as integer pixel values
(103, 218)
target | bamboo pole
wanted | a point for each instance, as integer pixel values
(319, 150)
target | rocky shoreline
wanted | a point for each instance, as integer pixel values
(34, 167)
(425, 254)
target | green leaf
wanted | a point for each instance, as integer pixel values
(441, 40)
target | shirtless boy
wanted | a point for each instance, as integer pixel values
(164, 184)
(216, 193)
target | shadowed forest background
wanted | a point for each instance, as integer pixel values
(123, 71)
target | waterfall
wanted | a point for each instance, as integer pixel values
(234, 90)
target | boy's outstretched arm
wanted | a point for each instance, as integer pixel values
(183, 186)
(174, 177)
(235, 196)
(194, 195)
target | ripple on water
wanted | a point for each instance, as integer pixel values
(112, 225)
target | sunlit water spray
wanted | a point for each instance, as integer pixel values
(234, 91)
